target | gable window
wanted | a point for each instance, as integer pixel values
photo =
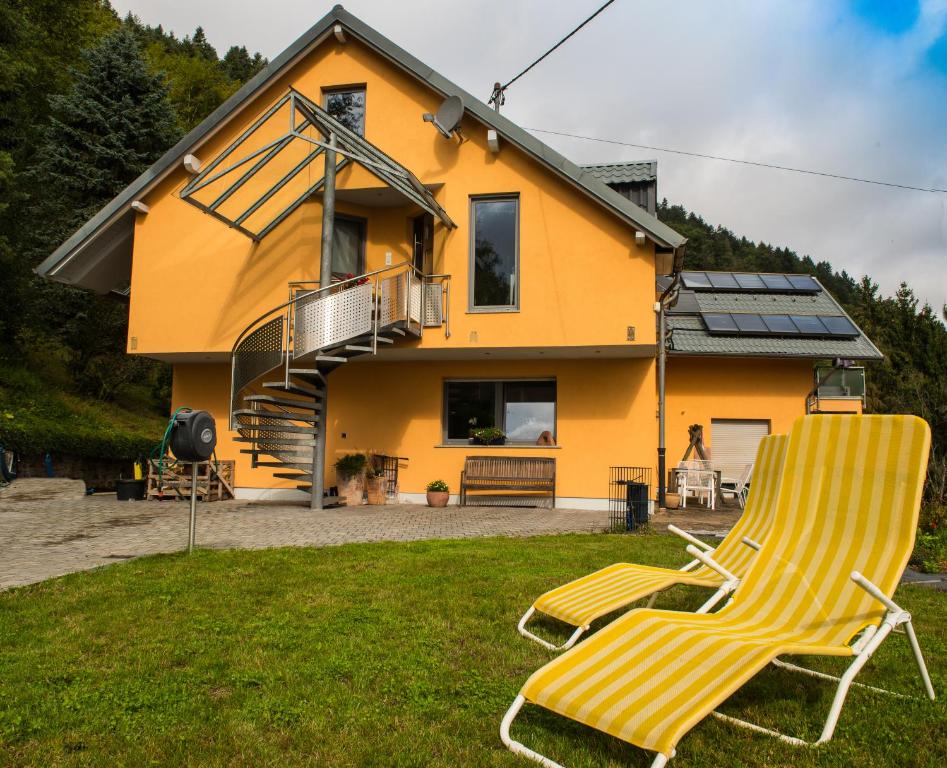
(347, 105)
(523, 409)
(494, 254)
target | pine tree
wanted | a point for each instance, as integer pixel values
(113, 124)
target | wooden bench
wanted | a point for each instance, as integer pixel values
(508, 473)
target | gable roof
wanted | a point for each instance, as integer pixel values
(689, 335)
(82, 260)
(634, 172)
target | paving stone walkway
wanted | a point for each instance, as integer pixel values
(44, 534)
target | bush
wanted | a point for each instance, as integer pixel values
(36, 417)
(350, 465)
(930, 552)
(438, 486)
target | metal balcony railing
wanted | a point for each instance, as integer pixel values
(316, 320)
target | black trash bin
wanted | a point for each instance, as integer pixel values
(130, 490)
(637, 511)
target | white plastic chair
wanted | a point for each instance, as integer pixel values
(696, 477)
(738, 486)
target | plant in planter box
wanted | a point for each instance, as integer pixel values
(437, 493)
(376, 487)
(487, 436)
(350, 471)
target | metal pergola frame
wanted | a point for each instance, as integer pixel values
(347, 144)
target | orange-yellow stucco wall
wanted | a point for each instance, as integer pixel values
(196, 284)
(605, 416)
(702, 389)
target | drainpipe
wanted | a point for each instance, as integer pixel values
(668, 298)
(325, 278)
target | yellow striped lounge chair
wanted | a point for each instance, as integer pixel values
(821, 585)
(586, 599)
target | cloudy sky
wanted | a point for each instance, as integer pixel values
(852, 87)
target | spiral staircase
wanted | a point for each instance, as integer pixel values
(281, 363)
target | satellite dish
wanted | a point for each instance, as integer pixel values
(448, 116)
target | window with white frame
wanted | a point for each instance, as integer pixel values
(522, 408)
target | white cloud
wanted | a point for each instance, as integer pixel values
(804, 84)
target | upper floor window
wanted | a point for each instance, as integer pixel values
(347, 105)
(494, 254)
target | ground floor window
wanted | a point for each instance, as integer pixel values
(522, 408)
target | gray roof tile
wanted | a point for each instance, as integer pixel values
(624, 173)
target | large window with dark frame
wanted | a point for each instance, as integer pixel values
(347, 105)
(494, 254)
(522, 408)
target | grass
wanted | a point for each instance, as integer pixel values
(381, 655)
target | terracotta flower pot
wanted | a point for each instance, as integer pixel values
(352, 489)
(437, 498)
(672, 500)
(377, 490)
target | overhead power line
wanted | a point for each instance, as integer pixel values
(755, 163)
(497, 98)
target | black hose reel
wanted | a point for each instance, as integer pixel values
(194, 436)
(193, 439)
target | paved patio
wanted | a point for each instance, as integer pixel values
(49, 527)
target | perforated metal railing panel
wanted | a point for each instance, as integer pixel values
(391, 305)
(433, 309)
(324, 321)
(259, 352)
(414, 302)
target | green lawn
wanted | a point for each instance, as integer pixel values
(380, 655)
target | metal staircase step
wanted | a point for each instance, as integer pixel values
(355, 349)
(287, 402)
(296, 389)
(309, 373)
(330, 359)
(285, 465)
(277, 428)
(301, 442)
(294, 476)
(395, 329)
(281, 415)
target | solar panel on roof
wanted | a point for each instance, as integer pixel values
(724, 281)
(695, 280)
(777, 282)
(804, 283)
(749, 281)
(809, 325)
(780, 324)
(719, 322)
(838, 325)
(749, 323)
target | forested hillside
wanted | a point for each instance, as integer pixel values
(87, 102)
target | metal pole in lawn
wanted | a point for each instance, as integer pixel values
(192, 529)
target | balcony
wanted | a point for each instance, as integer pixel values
(837, 390)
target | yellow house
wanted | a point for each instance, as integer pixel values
(354, 254)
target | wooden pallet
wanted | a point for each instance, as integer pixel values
(214, 480)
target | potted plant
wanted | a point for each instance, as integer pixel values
(350, 472)
(487, 436)
(376, 487)
(437, 493)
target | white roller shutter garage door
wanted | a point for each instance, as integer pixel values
(733, 443)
